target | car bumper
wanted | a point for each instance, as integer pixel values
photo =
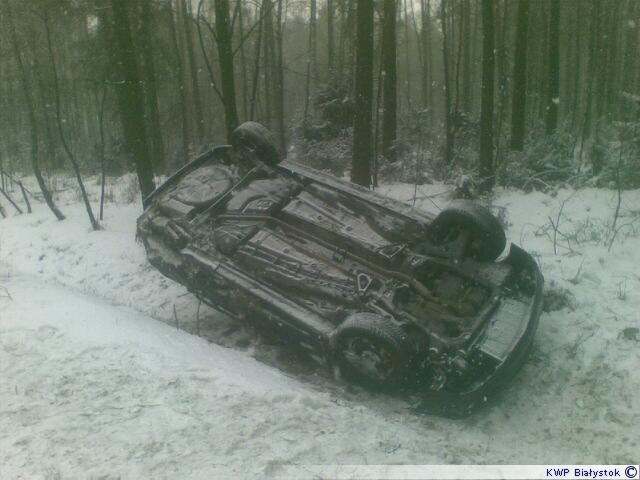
(506, 342)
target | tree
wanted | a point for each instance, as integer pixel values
(519, 99)
(225, 52)
(180, 81)
(425, 61)
(553, 92)
(269, 61)
(466, 40)
(448, 122)
(150, 84)
(243, 59)
(63, 138)
(389, 79)
(256, 69)
(486, 106)
(193, 70)
(312, 64)
(362, 139)
(313, 41)
(130, 97)
(330, 41)
(279, 78)
(33, 123)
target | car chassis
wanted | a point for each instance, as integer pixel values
(394, 297)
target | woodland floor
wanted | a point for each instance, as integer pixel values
(100, 378)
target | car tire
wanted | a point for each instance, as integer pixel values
(488, 239)
(372, 351)
(258, 139)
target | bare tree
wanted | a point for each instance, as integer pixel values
(519, 99)
(448, 114)
(150, 84)
(312, 63)
(553, 92)
(243, 59)
(467, 40)
(225, 52)
(330, 40)
(279, 78)
(180, 81)
(389, 124)
(269, 61)
(362, 139)
(193, 69)
(130, 97)
(425, 61)
(486, 108)
(33, 123)
(313, 40)
(63, 138)
(256, 69)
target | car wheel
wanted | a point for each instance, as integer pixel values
(257, 138)
(372, 351)
(485, 236)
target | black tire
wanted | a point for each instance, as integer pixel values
(369, 338)
(258, 139)
(487, 237)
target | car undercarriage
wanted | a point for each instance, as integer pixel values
(396, 298)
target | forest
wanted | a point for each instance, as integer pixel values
(528, 94)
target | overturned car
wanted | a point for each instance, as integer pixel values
(393, 297)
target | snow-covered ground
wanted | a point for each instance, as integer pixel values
(103, 375)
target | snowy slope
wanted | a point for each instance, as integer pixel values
(93, 384)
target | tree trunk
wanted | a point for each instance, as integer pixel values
(193, 69)
(362, 141)
(312, 64)
(243, 60)
(269, 61)
(448, 124)
(575, 105)
(256, 70)
(150, 86)
(33, 123)
(591, 75)
(279, 79)
(101, 147)
(519, 99)
(486, 108)
(553, 95)
(466, 56)
(503, 90)
(389, 80)
(330, 41)
(130, 97)
(425, 17)
(182, 93)
(65, 144)
(407, 58)
(313, 40)
(224, 35)
(611, 90)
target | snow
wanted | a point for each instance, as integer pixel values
(99, 380)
